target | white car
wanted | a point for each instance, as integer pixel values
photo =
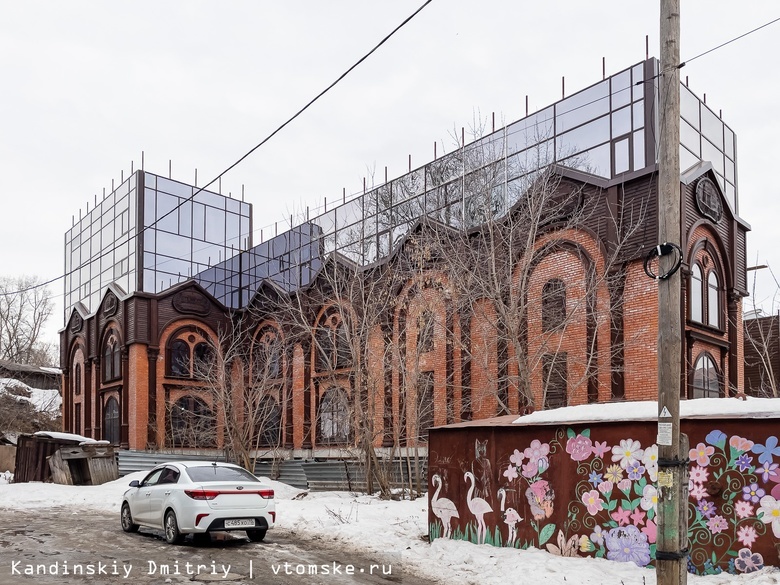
(198, 497)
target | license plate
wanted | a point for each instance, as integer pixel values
(242, 523)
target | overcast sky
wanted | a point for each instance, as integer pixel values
(88, 86)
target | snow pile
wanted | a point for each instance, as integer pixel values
(394, 530)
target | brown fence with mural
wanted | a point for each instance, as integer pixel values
(590, 489)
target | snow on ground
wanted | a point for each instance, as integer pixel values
(45, 400)
(393, 529)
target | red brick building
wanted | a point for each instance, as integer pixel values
(505, 276)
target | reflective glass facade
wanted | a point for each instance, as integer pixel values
(149, 234)
(607, 130)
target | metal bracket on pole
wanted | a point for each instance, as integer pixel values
(664, 555)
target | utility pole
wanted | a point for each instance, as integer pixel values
(672, 540)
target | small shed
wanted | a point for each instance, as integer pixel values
(64, 458)
(90, 463)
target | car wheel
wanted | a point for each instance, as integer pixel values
(256, 535)
(172, 534)
(127, 519)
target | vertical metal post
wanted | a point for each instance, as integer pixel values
(671, 553)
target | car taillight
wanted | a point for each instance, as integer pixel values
(267, 494)
(202, 494)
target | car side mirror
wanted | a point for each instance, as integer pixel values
(135, 483)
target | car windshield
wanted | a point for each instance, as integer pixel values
(219, 473)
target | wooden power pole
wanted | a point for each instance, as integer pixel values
(672, 540)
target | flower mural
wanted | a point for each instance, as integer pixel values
(609, 509)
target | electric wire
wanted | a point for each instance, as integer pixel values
(317, 97)
(242, 158)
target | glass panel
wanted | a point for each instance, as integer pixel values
(622, 160)
(233, 205)
(171, 245)
(582, 107)
(621, 92)
(712, 154)
(174, 188)
(185, 218)
(638, 88)
(731, 195)
(167, 218)
(639, 115)
(729, 142)
(529, 131)
(689, 106)
(348, 214)
(595, 161)
(150, 198)
(689, 136)
(215, 225)
(729, 171)
(687, 159)
(582, 138)
(199, 221)
(639, 150)
(621, 122)
(211, 199)
(232, 236)
(150, 180)
(712, 127)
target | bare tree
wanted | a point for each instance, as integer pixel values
(762, 347)
(25, 306)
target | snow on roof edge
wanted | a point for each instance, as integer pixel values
(697, 408)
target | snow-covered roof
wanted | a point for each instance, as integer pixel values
(65, 437)
(648, 410)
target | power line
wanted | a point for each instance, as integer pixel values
(242, 158)
(681, 65)
(309, 104)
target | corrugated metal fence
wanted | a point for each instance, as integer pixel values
(313, 475)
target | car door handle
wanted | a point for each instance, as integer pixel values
(148, 494)
(168, 493)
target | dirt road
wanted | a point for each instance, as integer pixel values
(58, 546)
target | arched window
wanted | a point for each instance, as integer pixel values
(180, 358)
(697, 303)
(424, 405)
(77, 380)
(553, 304)
(713, 300)
(706, 383)
(112, 362)
(267, 356)
(334, 417)
(332, 341)
(203, 360)
(111, 421)
(554, 370)
(425, 332)
(192, 423)
(269, 422)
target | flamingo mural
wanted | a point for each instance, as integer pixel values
(478, 507)
(443, 508)
(510, 516)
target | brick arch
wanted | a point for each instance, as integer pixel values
(703, 236)
(276, 389)
(577, 258)
(75, 406)
(168, 389)
(341, 314)
(426, 293)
